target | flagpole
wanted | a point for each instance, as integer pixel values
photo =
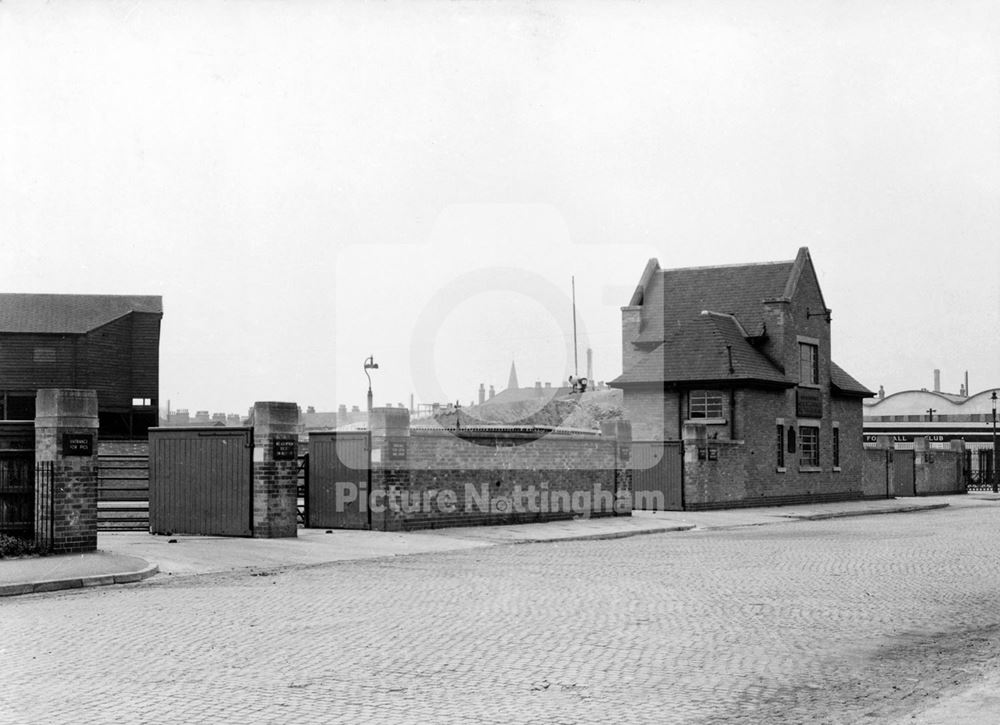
(576, 362)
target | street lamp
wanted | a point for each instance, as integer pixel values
(370, 364)
(993, 398)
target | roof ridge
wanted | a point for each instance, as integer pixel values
(730, 266)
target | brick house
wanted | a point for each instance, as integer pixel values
(735, 362)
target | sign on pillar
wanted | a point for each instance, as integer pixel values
(275, 470)
(66, 424)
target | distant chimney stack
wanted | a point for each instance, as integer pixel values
(590, 363)
(937, 380)
(492, 392)
(482, 393)
(881, 392)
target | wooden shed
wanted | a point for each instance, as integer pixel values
(108, 343)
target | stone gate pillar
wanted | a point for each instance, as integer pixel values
(275, 470)
(66, 463)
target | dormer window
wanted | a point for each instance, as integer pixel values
(808, 364)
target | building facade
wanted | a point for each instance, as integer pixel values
(940, 419)
(108, 343)
(735, 362)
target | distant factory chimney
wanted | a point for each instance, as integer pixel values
(967, 391)
(590, 364)
(937, 380)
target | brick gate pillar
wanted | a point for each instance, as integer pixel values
(620, 430)
(275, 470)
(66, 460)
(390, 431)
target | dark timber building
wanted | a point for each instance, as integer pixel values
(108, 343)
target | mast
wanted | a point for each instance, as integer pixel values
(576, 362)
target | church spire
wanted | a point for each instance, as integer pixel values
(512, 381)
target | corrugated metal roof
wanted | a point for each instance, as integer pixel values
(69, 314)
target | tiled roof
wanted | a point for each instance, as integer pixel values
(737, 290)
(698, 351)
(845, 384)
(70, 314)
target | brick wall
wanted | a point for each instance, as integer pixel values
(653, 412)
(440, 478)
(745, 471)
(631, 318)
(939, 471)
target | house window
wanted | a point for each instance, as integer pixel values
(791, 440)
(808, 364)
(781, 446)
(809, 443)
(705, 404)
(141, 402)
(836, 447)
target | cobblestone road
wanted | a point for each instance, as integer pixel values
(850, 620)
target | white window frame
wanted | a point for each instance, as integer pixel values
(813, 345)
(813, 463)
(707, 398)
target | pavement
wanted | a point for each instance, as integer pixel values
(124, 558)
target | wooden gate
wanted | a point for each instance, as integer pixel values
(17, 479)
(657, 475)
(339, 480)
(201, 481)
(903, 474)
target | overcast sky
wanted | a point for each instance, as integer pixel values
(309, 183)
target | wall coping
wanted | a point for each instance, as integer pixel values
(506, 434)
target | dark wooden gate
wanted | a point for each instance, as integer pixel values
(339, 480)
(201, 481)
(903, 475)
(657, 476)
(17, 479)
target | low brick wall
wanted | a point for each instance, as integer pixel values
(439, 478)
(729, 477)
(939, 471)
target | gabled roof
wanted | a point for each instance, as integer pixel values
(69, 314)
(844, 384)
(738, 290)
(699, 350)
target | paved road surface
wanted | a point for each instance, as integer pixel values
(850, 620)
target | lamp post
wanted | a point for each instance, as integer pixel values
(370, 364)
(993, 398)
